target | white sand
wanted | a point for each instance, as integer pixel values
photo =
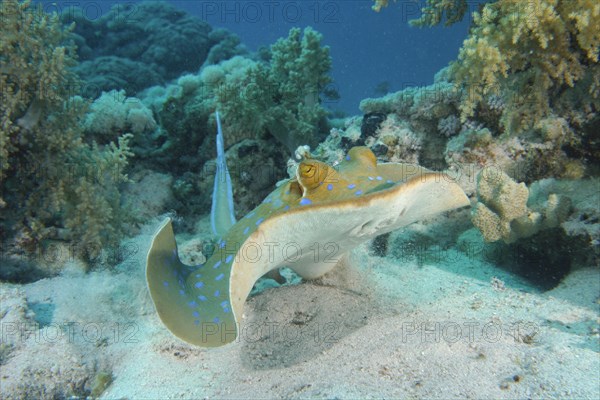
(382, 328)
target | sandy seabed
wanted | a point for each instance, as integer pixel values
(375, 328)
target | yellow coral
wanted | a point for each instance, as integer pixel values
(51, 178)
(33, 65)
(502, 212)
(437, 10)
(522, 50)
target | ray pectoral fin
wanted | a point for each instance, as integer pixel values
(193, 313)
(430, 194)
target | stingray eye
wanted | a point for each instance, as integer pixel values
(311, 173)
(307, 170)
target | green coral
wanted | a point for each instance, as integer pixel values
(282, 96)
(528, 52)
(55, 183)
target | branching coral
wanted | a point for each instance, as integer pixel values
(276, 96)
(281, 97)
(29, 38)
(527, 52)
(524, 66)
(530, 54)
(436, 11)
(54, 183)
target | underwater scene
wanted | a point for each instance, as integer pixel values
(346, 199)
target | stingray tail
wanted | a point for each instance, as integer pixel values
(187, 311)
(222, 215)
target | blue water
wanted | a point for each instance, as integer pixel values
(367, 48)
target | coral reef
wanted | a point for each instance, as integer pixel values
(449, 126)
(55, 184)
(529, 53)
(523, 105)
(138, 45)
(557, 230)
(108, 73)
(502, 211)
(527, 70)
(281, 97)
(113, 113)
(420, 116)
(401, 143)
(258, 100)
(436, 11)
(542, 153)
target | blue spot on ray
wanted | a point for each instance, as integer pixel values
(202, 298)
(351, 186)
(219, 277)
(217, 264)
(286, 208)
(196, 314)
(246, 230)
(304, 201)
(217, 293)
(199, 284)
(259, 221)
(181, 292)
(379, 178)
(330, 187)
(229, 258)
(348, 158)
(358, 192)
(192, 304)
(165, 283)
(216, 320)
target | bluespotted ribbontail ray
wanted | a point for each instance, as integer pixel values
(334, 209)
